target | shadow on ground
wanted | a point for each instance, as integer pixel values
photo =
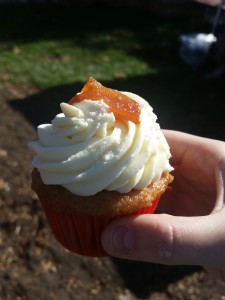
(182, 101)
(143, 279)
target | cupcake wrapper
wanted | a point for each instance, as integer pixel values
(82, 233)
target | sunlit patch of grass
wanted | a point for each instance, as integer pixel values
(48, 63)
(49, 46)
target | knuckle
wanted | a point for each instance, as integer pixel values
(164, 243)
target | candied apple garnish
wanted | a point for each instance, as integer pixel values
(123, 107)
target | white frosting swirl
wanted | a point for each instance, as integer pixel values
(85, 149)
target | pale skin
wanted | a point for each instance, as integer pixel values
(209, 2)
(190, 230)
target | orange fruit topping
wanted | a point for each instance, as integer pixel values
(123, 107)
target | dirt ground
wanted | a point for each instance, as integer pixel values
(32, 264)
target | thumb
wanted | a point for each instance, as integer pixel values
(167, 239)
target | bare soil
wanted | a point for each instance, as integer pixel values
(32, 264)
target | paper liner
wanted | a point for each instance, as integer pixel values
(82, 233)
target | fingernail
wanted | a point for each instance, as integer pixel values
(122, 240)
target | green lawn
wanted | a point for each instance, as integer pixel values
(51, 46)
(48, 46)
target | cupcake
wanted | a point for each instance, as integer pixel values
(104, 156)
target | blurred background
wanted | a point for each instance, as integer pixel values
(48, 49)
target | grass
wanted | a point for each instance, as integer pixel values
(47, 48)
(50, 63)
(51, 46)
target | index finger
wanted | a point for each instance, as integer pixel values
(184, 146)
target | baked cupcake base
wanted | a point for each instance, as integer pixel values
(82, 233)
(77, 222)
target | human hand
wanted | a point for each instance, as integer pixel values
(191, 227)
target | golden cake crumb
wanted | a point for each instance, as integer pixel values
(104, 203)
